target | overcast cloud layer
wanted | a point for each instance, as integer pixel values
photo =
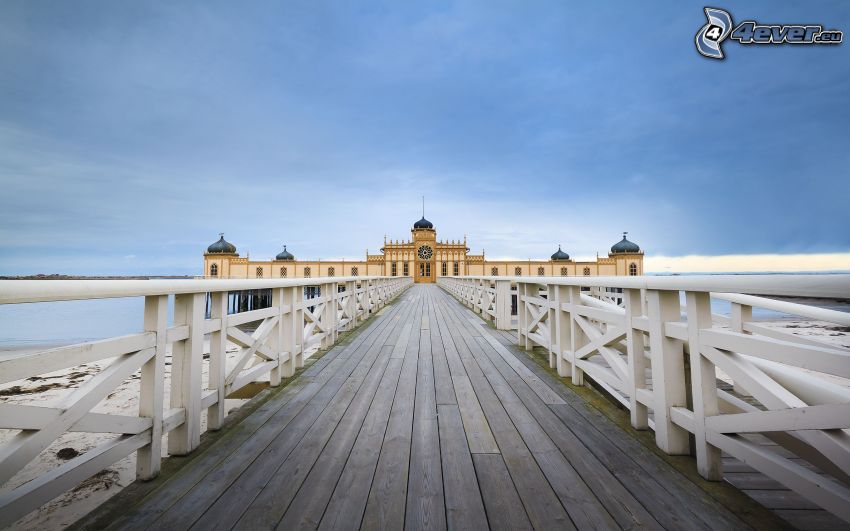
(131, 133)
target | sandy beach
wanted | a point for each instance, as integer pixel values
(46, 389)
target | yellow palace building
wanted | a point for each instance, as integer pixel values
(423, 257)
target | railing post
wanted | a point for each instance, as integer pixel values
(554, 356)
(218, 359)
(275, 339)
(351, 304)
(293, 329)
(152, 389)
(739, 316)
(186, 360)
(503, 305)
(703, 385)
(668, 371)
(577, 336)
(560, 326)
(636, 357)
(522, 313)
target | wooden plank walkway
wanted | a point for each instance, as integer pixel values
(428, 419)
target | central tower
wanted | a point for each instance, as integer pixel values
(424, 248)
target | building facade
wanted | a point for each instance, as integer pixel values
(423, 257)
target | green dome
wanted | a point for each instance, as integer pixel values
(221, 246)
(560, 255)
(284, 255)
(625, 246)
(423, 224)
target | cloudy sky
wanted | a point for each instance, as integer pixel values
(132, 133)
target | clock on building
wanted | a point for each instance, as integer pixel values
(425, 252)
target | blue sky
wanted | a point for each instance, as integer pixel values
(131, 133)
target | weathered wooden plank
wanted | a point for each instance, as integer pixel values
(387, 499)
(546, 394)
(478, 432)
(308, 504)
(464, 506)
(442, 374)
(273, 495)
(501, 500)
(541, 503)
(425, 503)
(578, 499)
(809, 520)
(781, 499)
(345, 508)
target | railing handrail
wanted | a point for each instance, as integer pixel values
(803, 285)
(23, 291)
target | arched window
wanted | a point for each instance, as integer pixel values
(307, 272)
(354, 271)
(563, 271)
(587, 271)
(633, 269)
(406, 270)
(518, 271)
(494, 271)
(259, 272)
(394, 269)
(282, 272)
(445, 269)
(540, 271)
(331, 271)
(455, 269)
(214, 270)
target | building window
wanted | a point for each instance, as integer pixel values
(259, 272)
(540, 271)
(354, 271)
(394, 269)
(282, 272)
(406, 270)
(587, 271)
(518, 271)
(214, 270)
(633, 269)
(494, 271)
(331, 271)
(563, 271)
(428, 269)
(445, 269)
(455, 269)
(307, 272)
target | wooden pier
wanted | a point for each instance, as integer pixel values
(429, 419)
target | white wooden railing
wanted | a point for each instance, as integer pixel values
(667, 362)
(285, 333)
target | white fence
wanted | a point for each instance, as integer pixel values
(664, 360)
(284, 333)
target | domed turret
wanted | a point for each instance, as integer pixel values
(423, 224)
(624, 246)
(221, 246)
(560, 255)
(284, 255)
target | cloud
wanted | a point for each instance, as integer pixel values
(148, 131)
